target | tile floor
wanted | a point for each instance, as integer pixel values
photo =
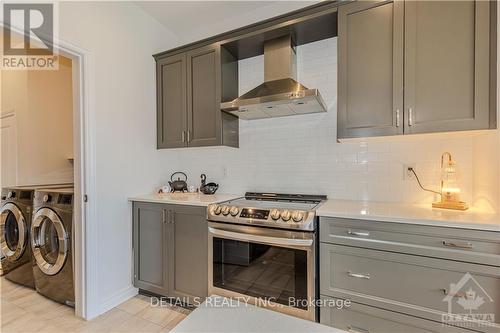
(24, 310)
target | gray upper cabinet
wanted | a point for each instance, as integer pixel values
(204, 84)
(171, 105)
(170, 250)
(189, 93)
(447, 65)
(150, 247)
(445, 83)
(370, 73)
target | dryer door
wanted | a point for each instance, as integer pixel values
(49, 241)
(14, 232)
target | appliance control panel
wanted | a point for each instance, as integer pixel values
(277, 218)
(260, 214)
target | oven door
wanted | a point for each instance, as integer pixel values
(267, 267)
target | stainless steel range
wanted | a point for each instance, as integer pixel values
(262, 248)
(284, 211)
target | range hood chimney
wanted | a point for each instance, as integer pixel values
(280, 95)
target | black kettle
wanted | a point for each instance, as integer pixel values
(209, 188)
(178, 185)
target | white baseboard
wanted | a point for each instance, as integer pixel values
(117, 299)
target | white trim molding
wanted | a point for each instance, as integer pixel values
(118, 298)
(87, 301)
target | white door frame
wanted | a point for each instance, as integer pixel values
(85, 271)
(87, 302)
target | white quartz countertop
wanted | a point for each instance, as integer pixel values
(473, 218)
(222, 315)
(191, 199)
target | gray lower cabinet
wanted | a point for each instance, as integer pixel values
(170, 250)
(409, 276)
(359, 318)
(187, 255)
(444, 50)
(150, 234)
(189, 92)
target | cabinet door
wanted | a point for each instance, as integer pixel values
(150, 255)
(204, 96)
(446, 65)
(171, 101)
(370, 65)
(187, 252)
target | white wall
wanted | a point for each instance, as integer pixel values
(300, 153)
(39, 136)
(120, 40)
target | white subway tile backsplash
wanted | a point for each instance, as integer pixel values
(301, 153)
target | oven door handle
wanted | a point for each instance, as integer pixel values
(261, 239)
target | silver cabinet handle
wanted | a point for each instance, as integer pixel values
(410, 117)
(460, 245)
(397, 118)
(354, 329)
(163, 216)
(358, 233)
(359, 276)
(183, 136)
(457, 295)
(188, 136)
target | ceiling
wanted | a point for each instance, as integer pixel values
(199, 19)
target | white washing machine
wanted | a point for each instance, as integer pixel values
(52, 244)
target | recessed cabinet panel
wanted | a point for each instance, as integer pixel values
(150, 273)
(447, 65)
(204, 84)
(187, 252)
(171, 90)
(370, 69)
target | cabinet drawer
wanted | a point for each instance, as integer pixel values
(359, 318)
(473, 246)
(417, 285)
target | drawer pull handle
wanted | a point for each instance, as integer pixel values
(464, 245)
(354, 329)
(359, 276)
(358, 233)
(457, 295)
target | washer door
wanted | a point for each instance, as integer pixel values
(14, 232)
(49, 241)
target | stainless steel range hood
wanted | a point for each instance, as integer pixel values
(280, 95)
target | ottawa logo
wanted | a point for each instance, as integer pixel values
(467, 294)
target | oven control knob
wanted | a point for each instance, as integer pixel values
(286, 215)
(225, 210)
(216, 209)
(234, 211)
(297, 216)
(11, 195)
(275, 214)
